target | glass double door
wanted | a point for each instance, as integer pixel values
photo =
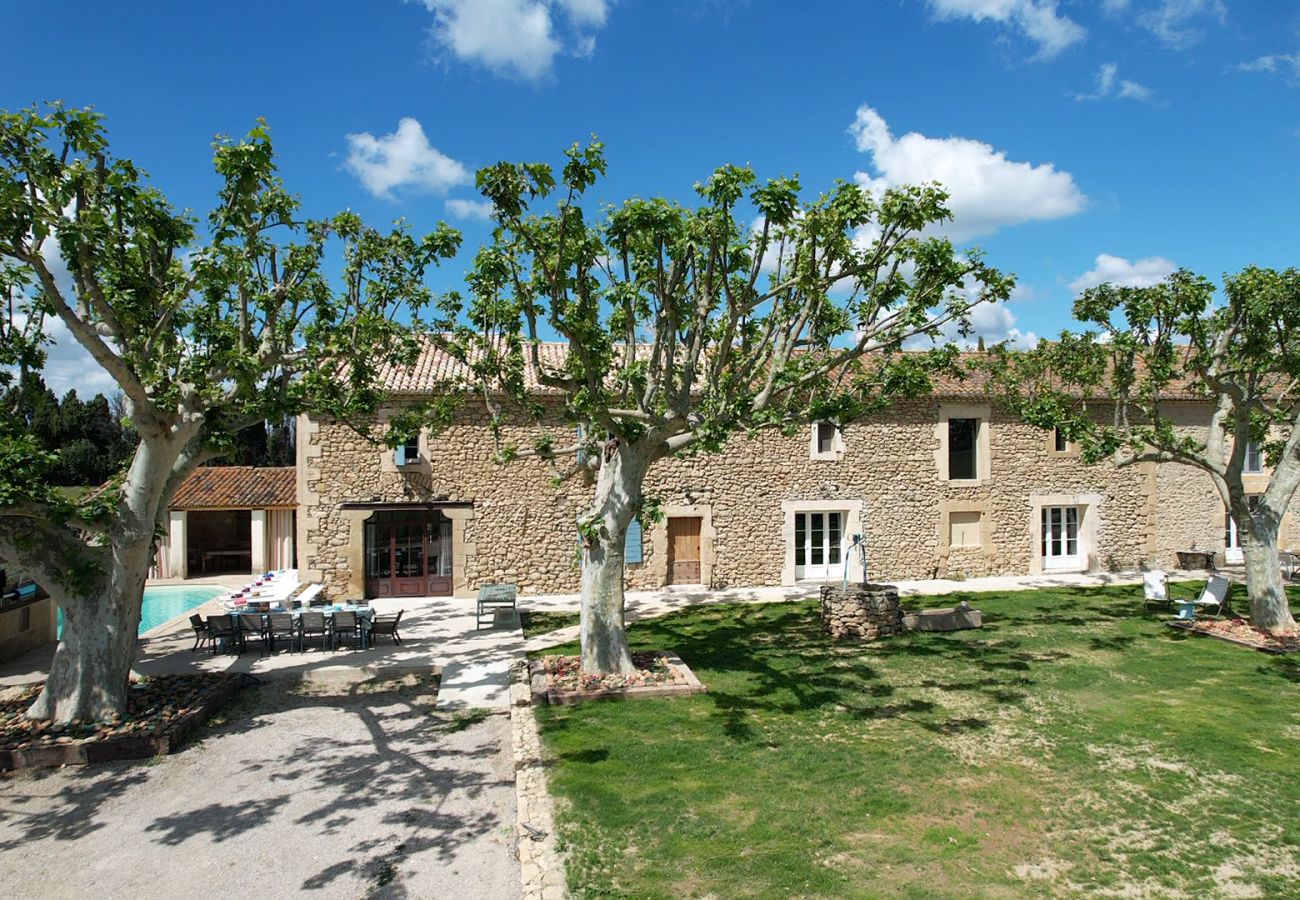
(408, 554)
(819, 545)
(1060, 537)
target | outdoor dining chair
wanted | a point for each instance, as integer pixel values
(280, 625)
(223, 632)
(252, 626)
(346, 624)
(201, 636)
(312, 624)
(386, 625)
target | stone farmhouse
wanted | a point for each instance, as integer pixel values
(948, 486)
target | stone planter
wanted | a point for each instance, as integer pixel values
(862, 611)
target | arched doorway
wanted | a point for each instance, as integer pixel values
(408, 554)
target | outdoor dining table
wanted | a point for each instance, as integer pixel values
(364, 613)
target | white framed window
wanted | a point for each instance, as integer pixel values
(819, 545)
(826, 441)
(1060, 537)
(1254, 462)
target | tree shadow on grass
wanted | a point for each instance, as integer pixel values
(787, 665)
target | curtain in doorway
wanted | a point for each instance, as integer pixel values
(161, 567)
(279, 538)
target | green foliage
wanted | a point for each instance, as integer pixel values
(89, 439)
(209, 326)
(686, 324)
(1109, 387)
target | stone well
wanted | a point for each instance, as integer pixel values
(862, 611)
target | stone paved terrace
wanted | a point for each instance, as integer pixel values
(438, 635)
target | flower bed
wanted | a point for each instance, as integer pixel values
(559, 679)
(160, 713)
(1239, 631)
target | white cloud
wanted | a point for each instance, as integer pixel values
(1287, 64)
(591, 13)
(470, 209)
(403, 159)
(987, 190)
(68, 366)
(516, 37)
(1117, 270)
(1107, 83)
(1177, 22)
(1037, 20)
(994, 322)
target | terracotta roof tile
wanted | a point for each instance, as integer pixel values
(237, 487)
(435, 368)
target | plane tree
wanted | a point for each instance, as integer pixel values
(1116, 387)
(251, 315)
(689, 324)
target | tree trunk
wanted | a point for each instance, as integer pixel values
(91, 668)
(1269, 608)
(92, 665)
(604, 537)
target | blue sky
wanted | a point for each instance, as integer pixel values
(1082, 141)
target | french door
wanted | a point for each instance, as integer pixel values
(819, 545)
(1060, 541)
(408, 554)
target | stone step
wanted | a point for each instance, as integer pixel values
(478, 685)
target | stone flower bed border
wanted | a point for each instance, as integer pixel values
(1263, 648)
(128, 746)
(689, 685)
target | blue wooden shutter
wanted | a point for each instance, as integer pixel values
(632, 549)
(399, 455)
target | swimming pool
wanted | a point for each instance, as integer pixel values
(163, 603)
(166, 602)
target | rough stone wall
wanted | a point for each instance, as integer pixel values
(522, 525)
(889, 462)
(1190, 512)
(522, 528)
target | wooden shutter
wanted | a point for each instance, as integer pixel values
(632, 551)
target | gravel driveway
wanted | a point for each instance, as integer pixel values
(357, 790)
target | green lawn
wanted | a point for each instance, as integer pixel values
(1072, 745)
(535, 622)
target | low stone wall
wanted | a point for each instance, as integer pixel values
(541, 867)
(863, 611)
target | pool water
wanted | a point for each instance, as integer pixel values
(162, 604)
(165, 602)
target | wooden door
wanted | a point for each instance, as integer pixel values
(684, 550)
